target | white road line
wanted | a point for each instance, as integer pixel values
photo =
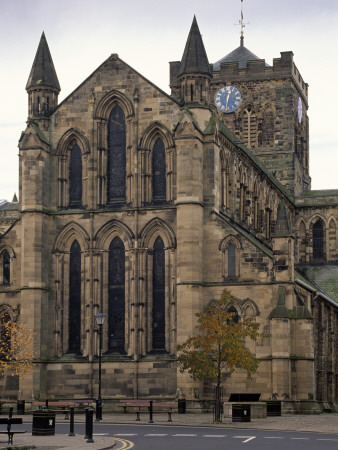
(326, 439)
(214, 435)
(185, 435)
(250, 439)
(100, 434)
(299, 439)
(125, 434)
(156, 435)
(273, 437)
(247, 438)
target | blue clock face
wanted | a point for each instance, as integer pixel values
(228, 99)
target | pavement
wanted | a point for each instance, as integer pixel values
(323, 423)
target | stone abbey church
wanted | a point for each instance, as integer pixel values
(146, 206)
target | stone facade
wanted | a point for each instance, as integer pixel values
(146, 206)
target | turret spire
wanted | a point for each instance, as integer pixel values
(194, 58)
(194, 72)
(43, 72)
(43, 85)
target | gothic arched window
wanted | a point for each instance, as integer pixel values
(231, 260)
(116, 297)
(75, 177)
(318, 240)
(6, 268)
(302, 242)
(235, 317)
(158, 295)
(159, 172)
(74, 314)
(116, 171)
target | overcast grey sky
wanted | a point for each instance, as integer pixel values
(147, 35)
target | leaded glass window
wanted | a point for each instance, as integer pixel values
(158, 295)
(74, 319)
(159, 172)
(6, 266)
(116, 173)
(116, 325)
(318, 240)
(235, 317)
(75, 177)
(231, 260)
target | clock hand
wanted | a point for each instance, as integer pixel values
(226, 103)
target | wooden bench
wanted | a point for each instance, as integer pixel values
(10, 432)
(52, 405)
(142, 406)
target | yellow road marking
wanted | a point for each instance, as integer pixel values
(125, 444)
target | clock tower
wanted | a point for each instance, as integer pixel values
(264, 106)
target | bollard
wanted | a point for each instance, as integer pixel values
(151, 412)
(20, 407)
(98, 410)
(71, 421)
(46, 402)
(10, 414)
(86, 430)
(90, 426)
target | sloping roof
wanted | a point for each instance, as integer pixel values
(194, 58)
(43, 72)
(241, 55)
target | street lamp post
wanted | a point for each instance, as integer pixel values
(99, 317)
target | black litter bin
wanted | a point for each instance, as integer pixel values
(241, 413)
(43, 423)
(20, 407)
(273, 408)
(182, 406)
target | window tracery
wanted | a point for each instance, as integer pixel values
(230, 248)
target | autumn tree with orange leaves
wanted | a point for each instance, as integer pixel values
(219, 347)
(16, 347)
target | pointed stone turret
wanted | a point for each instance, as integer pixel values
(194, 58)
(282, 227)
(283, 245)
(194, 72)
(42, 86)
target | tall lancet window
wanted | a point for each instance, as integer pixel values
(74, 317)
(158, 295)
(159, 172)
(6, 268)
(75, 177)
(231, 260)
(318, 240)
(116, 324)
(116, 173)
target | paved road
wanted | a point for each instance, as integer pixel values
(150, 437)
(277, 433)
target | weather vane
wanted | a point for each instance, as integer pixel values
(242, 24)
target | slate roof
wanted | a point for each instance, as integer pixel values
(194, 59)
(43, 72)
(241, 55)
